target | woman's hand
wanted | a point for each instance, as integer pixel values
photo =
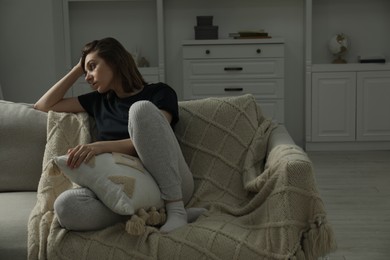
(54, 99)
(81, 154)
(85, 152)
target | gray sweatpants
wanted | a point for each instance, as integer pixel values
(158, 149)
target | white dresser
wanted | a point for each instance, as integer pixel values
(214, 68)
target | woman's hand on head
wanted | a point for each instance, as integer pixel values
(79, 66)
(81, 154)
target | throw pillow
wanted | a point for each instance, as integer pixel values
(119, 181)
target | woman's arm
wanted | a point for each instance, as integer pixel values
(54, 99)
(85, 152)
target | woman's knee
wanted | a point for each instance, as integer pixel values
(142, 114)
(80, 209)
(142, 109)
(69, 207)
(65, 207)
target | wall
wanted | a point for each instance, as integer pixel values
(27, 48)
(32, 49)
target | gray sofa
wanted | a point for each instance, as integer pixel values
(22, 142)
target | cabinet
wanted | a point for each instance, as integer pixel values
(373, 106)
(221, 68)
(334, 108)
(347, 104)
(351, 107)
(87, 20)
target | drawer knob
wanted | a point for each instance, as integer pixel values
(258, 51)
(207, 51)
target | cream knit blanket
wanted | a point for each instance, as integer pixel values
(255, 211)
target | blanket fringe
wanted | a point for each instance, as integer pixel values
(318, 241)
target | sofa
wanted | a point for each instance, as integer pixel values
(22, 144)
(258, 188)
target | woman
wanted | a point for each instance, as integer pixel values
(132, 117)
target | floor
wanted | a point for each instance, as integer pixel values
(355, 187)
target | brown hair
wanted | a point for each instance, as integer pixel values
(119, 59)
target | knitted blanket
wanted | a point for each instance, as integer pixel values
(259, 206)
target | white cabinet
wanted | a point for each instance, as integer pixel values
(88, 20)
(236, 67)
(334, 108)
(347, 105)
(373, 106)
(351, 106)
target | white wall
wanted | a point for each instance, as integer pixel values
(33, 56)
(26, 48)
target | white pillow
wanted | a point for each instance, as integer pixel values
(119, 181)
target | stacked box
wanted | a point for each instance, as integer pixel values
(205, 29)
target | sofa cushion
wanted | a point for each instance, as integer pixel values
(22, 139)
(15, 209)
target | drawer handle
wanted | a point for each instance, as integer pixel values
(207, 51)
(258, 51)
(233, 68)
(233, 89)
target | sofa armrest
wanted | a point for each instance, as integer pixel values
(279, 136)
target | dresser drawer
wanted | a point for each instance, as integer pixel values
(234, 68)
(221, 68)
(264, 89)
(233, 51)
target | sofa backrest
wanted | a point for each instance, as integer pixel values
(22, 144)
(215, 135)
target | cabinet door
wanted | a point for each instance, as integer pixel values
(333, 106)
(373, 106)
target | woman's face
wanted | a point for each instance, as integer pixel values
(98, 74)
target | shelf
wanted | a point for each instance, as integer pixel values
(350, 67)
(118, 19)
(232, 41)
(365, 23)
(87, 20)
(150, 74)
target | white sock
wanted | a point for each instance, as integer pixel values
(176, 216)
(194, 213)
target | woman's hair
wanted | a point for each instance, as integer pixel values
(119, 60)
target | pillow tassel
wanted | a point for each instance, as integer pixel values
(135, 226)
(143, 214)
(163, 216)
(154, 217)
